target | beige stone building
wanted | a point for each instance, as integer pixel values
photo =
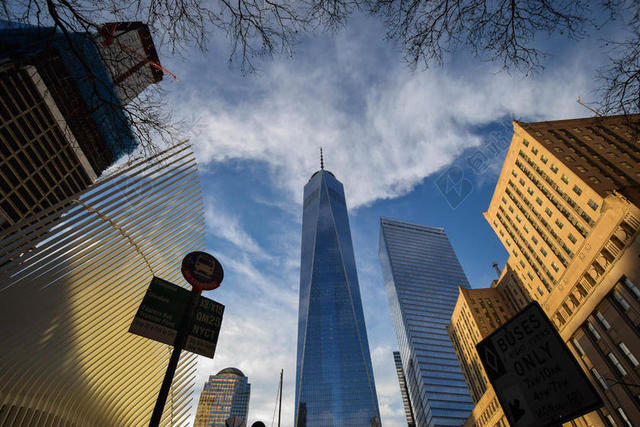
(566, 209)
(477, 313)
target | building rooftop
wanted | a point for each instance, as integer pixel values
(231, 372)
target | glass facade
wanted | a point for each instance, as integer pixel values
(225, 395)
(422, 275)
(334, 377)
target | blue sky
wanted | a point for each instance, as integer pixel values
(391, 135)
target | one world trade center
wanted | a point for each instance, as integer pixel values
(334, 377)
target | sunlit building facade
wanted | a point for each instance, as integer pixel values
(70, 286)
(224, 395)
(477, 313)
(422, 276)
(334, 376)
(566, 209)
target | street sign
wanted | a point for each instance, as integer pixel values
(202, 271)
(161, 311)
(537, 380)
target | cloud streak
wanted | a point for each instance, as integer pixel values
(381, 139)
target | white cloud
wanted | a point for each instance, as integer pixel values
(223, 225)
(380, 139)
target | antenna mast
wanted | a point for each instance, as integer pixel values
(280, 406)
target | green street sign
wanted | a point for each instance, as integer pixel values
(161, 311)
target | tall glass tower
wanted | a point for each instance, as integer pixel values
(334, 377)
(422, 275)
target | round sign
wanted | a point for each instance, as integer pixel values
(258, 424)
(202, 271)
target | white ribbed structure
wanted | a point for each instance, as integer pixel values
(70, 286)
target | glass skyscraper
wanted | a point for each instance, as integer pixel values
(334, 377)
(422, 275)
(225, 395)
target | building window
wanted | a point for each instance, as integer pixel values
(525, 228)
(515, 252)
(555, 266)
(559, 223)
(598, 377)
(518, 218)
(526, 143)
(504, 200)
(632, 287)
(577, 190)
(530, 191)
(554, 168)
(548, 211)
(617, 364)
(539, 201)
(544, 159)
(593, 205)
(612, 423)
(603, 320)
(593, 331)
(594, 180)
(511, 209)
(514, 173)
(629, 355)
(530, 275)
(623, 302)
(572, 238)
(522, 263)
(540, 291)
(565, 179)
(534, 150)
(543, 251)
(521, 181)
(577, 346)
(624, 417)
(534, 239)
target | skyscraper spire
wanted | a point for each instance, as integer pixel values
(321, 160)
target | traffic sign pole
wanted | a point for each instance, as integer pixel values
(181, 339)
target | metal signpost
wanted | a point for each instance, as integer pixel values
(197, 319)
(161, 312)
(537, 380)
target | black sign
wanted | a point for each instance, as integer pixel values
(161, 311)
(536, 378)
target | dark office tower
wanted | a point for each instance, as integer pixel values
(62, 119)
(334, 377)
(422, 275)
